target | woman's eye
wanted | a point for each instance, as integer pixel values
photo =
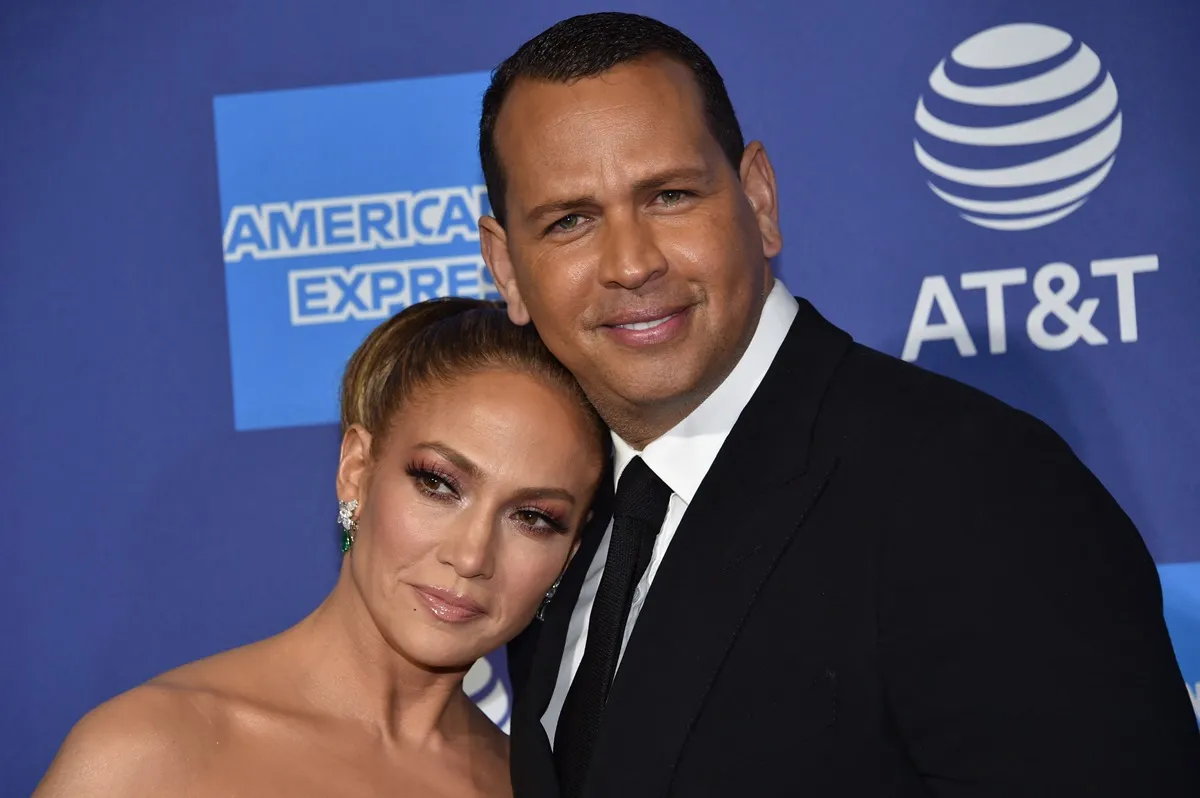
(538, 521)
(432, 483)
(530, 518)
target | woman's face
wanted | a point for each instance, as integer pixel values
(468, 512)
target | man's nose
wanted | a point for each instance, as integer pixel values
(631, 256)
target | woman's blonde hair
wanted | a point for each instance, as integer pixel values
(435, 343)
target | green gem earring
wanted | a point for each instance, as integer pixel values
(348, 523)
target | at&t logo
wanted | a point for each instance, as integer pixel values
(1019, 126)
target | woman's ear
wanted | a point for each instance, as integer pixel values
(355, 465)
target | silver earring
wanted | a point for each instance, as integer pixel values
(541, 613)
(348, 523)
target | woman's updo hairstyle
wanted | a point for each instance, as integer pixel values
(436, 342)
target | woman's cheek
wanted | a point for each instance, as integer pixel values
(532, 574)
(406, 529)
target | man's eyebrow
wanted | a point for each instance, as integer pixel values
(683, 174)
(556, 207)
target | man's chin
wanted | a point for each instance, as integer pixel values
(662, 390)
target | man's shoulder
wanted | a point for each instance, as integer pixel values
(932, 427)
(907, 386)
(879, 403)
(872, 382)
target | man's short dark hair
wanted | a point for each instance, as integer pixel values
(585, 46)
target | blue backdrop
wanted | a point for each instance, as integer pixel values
(205, 206)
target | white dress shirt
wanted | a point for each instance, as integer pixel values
(680, 458)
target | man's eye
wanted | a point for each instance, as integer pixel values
(568, 222)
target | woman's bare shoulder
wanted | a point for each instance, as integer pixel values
(142, 742)
(150, 739)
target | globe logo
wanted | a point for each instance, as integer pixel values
(1019, 127)
(488, 691)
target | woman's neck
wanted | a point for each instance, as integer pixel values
(353, 672)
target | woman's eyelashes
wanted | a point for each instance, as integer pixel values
(541, 520)
(432, 481)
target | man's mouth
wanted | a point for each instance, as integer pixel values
(649, 327)
(646, 325)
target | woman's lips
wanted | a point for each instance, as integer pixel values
(447, 605)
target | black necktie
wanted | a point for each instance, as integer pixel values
(638, 512)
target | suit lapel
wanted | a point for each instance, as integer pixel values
(750, 506)
(532, 761)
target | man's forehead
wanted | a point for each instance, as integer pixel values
(628, 111)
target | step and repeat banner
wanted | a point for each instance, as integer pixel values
(207, 206)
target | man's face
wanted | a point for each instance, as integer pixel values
(632, 244)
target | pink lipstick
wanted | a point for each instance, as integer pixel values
(448, 605)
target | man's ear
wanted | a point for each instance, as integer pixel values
(758, 183)
(493, 244)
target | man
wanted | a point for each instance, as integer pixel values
(824, 571)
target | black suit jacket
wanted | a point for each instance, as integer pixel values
(888, 584)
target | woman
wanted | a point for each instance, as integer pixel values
(469, 458)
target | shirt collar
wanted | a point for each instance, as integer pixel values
(683, 455)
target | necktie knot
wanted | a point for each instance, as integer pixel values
(641, 496)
